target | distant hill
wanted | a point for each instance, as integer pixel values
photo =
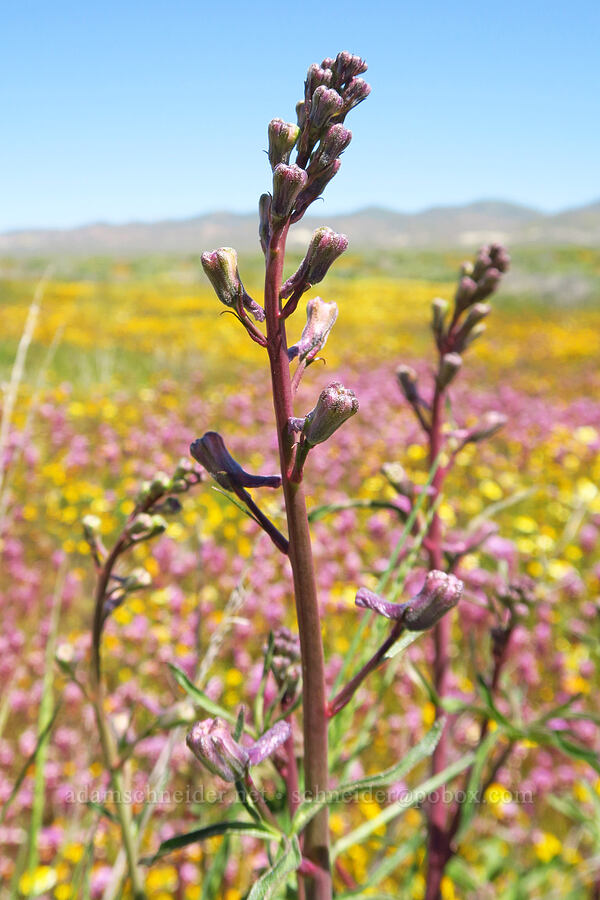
(441, 226)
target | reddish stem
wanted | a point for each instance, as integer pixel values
(347, 692)
(438, 843)
(316, 837)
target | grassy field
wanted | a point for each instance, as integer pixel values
(129, 361)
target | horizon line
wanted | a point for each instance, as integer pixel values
(356, 211)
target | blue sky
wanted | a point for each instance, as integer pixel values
(117, 111)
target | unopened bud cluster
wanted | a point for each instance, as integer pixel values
(477, 281)
(285, 661)
(331, 90)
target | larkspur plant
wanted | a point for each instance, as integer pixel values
(331, 91)
(312, 772)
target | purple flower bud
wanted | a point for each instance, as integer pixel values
(449, 367)
(288, 182)
(347, 66)
(408, 381)
(264, 221)
(332, 145)
(335, 404)
(328, 63)
(315, 188)
(324, 248)
(499, 258)
(437, 596)
(266, 745)
(137, 580)
(301, 113)
(326, 102)
(356, 91)
(282, 138)
(472, 336)
(320, 318)
(221, 267)
(463, 336)
(482, 279)
(145, 526)
(477, 312)
(488, 283)
(439, 309)
(317, 76)
(285, 663)
(465, 292)
(210, 451)
(211, 742)
(489, 424)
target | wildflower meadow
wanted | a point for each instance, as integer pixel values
(348, 645)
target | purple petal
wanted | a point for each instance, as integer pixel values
(369, 600)
(269, 742)
(210, 451)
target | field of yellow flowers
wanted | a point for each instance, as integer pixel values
(123, 370)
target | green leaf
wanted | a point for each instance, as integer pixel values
(201, 834)
(492, 709)
(287, 863)
(394, 810)
(558, 711)
(420, 751)
(102, 811)
(319, 512)
(391, 862)
(213, 880)
(259, 702)
(243, 798)
(408, 638)
(30, 759)
(199, 697)
(239, 725)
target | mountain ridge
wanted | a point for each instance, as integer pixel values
(368, 227)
